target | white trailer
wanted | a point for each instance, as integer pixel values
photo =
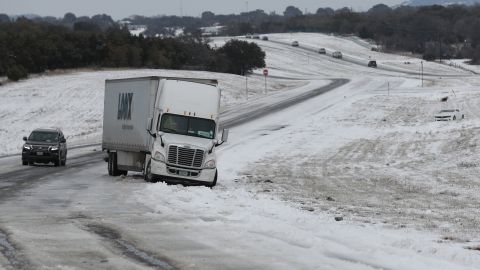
(165, 127)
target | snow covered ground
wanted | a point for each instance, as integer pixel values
(353, 50)
(404, 188)
(463, 64)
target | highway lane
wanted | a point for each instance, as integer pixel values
(362, 63)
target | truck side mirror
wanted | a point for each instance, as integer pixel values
(149, 123)
(149, 127)
(25, 138)
(224, 135)
(63, 140)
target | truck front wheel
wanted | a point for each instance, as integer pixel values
(148, 172)
(214, 183)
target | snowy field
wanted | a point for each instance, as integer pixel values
(463, 64)
(404, 189)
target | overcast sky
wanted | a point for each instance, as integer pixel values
(119, 9)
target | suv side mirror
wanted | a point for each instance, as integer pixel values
(25, 138)
(224, 135)
(63, 140)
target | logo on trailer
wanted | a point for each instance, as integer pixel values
(125, 106)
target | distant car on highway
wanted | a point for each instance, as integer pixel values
(248, 36)
(337, 54)
(255, 36)
(372, 63)
(295, 43)
(449, 115)
(322, 51)
(264, 38)
(45, 146)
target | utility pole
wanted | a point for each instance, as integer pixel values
(422, 72)
(266, 85)
(246, 86)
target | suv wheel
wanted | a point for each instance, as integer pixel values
(58, 161)
(24, 163)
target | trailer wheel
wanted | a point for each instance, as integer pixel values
(109, 167)
(112, 165)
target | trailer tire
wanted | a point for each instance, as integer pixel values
(109, 167)
(112, 165)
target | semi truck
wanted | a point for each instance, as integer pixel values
(165, 127)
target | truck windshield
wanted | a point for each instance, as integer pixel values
(41, 136)
(186, 125)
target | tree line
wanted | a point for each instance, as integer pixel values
(46, 43)
(34, 46)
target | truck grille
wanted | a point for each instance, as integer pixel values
(183, 156)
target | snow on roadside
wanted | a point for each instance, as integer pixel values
(74, 102)
(262, 230)
(463, 64)
(283, 179)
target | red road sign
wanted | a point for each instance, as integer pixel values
(265, 72)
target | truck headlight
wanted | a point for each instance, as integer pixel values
(27, 147)
(210, 164)
(53, 148)
(159, 157)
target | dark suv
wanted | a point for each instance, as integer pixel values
(44, 146)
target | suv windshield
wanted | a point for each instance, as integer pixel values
(43, 136)
(186, 125)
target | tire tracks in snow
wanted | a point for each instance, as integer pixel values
(11, 253)
(128, 248)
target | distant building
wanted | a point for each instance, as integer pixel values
(213, 30)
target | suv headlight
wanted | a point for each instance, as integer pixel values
(27, 147)
(159, 157)
(53, 148)
(210, 164)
